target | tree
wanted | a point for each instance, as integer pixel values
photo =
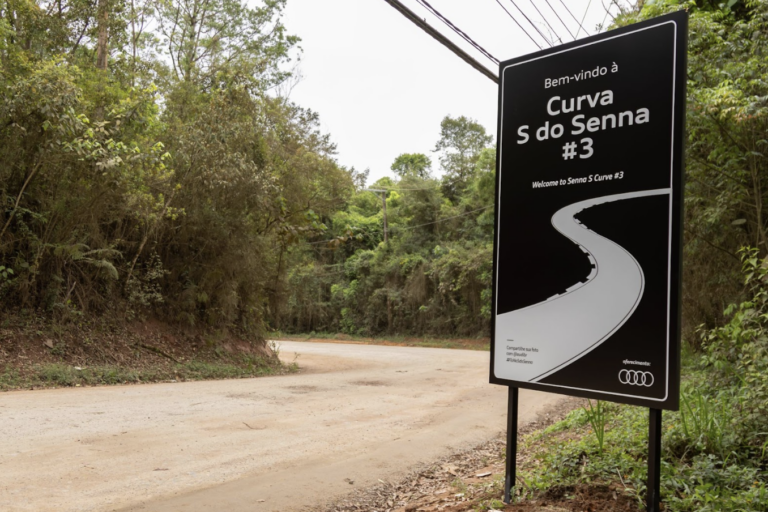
(412, 164)
(726, 187)
(102, 45)
(215, 42)
(461, 142)
(140, 183)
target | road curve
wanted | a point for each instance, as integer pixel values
(565, 327)
(356, 412)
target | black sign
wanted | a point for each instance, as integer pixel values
(588, 216)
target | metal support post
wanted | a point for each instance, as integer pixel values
(511, 464)
(654, 461)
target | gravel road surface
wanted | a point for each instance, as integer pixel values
(354, 414)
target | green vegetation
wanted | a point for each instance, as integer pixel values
(394, 339)
(715, 449)
(597, 419)
(152, 173)
(433, 274)
(64, 375)
(149, 167)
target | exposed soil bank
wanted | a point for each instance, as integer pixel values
(35, 353)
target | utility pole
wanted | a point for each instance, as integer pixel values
(386, 243)
(423, 25)
(384, 208)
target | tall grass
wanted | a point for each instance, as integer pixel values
(597, 418)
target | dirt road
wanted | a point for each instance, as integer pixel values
(356, 413)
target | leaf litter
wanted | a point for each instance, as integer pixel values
(471, 480)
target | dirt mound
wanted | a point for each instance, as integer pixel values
(582, 498)
(32, 349)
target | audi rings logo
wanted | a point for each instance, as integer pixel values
(636, 378)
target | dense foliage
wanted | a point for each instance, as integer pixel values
(433, 275)
(152, 167)
(727, 159)
(149, 167)
(433, 272)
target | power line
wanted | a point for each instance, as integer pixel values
(383, 208)
(584, 17)
(407, 228)
(546, 21)
(422, 24)
(397, 189)
(456, 29)
(607, 12)
(574, 19)
(561, 20)
(530, 22)
(518, 24)
(322, 241)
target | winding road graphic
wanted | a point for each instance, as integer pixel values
(535, 341)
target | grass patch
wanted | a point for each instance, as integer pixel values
(396, 340)
(714, 454)
(713, 458)
(714, 449)
(63, 375)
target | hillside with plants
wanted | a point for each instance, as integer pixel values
(164, 205)
(152, 169)
(155, 171)
(432, 275)
(427, 270)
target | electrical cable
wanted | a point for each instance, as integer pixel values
(546, 21)
(458, 31)
(518, 24)
(584, 17)
(416, 20)
(408, 228)
(561, 20)
(607, 12)
(531, 23)
(322, 241)
(574, 18)
(400, 189)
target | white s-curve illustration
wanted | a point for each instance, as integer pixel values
(535, 341)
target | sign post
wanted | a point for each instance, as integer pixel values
(589, 187)
(511, 455)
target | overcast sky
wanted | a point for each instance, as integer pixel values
(381, 85)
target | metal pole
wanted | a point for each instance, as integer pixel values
(654, 461)
(509, 481)
(384, 206)
(441, 38)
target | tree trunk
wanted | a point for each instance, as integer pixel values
(102, 45)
